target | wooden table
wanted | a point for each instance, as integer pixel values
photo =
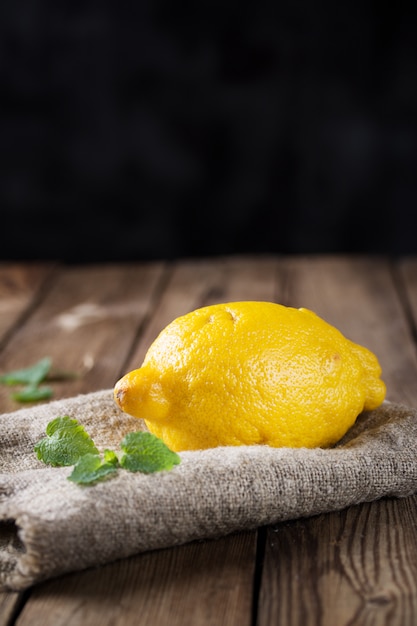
(358, 566)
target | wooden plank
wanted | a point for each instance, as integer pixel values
(19, 286)
(358, 296)
(204, 583)
(201, 583)
(194, 284)
(86, 323)
(357, 566)
(371, 546)
(407, 274)
(9, 606)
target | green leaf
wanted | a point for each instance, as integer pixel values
(90, 468)
(32, 394)
(65, 442)
(111, 457)
(144, 452)
(30, 376)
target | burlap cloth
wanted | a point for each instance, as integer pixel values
(49, 525)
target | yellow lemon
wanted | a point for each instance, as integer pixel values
(248, 373)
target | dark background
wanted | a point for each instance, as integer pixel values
(172, 130)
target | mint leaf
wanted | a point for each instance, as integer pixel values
(144, 452)
(90, 468)
(32, 394)
(65, 442)
(30, 376)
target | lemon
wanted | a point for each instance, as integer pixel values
(247, 373)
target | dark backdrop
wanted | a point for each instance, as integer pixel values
(174, 129)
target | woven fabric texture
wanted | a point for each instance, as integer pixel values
(49, 526)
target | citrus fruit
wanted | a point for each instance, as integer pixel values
(246, 373)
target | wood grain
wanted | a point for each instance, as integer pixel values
(194, 284)
(358, 296)
(86, 323)
(10, 602)
(353, 567)
(201, 583)
(20, 286)
(407, 278)
(356, 567)
(201, 591)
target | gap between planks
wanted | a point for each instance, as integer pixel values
(190, 285)
(302, 282)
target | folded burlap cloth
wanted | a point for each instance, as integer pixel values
(49, 525)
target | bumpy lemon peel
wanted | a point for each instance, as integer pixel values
(245, 373)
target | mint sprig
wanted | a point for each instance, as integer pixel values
(31, 379)
(30, 376)
(68, 443)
